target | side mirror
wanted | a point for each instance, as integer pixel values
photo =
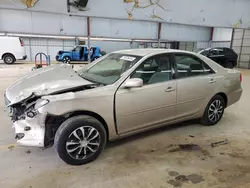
(133, 82)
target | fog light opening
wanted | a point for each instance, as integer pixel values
(31, 114)
(27, 128)
(19, 136)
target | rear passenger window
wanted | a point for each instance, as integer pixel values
(216, 52)
(188, 66)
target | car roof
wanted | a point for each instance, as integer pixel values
(87, 46)
(215, 48)
(149, 51)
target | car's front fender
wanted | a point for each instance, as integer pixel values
(66, 55)
(101, 103)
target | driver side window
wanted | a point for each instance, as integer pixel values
(77, 49)
(154, 70)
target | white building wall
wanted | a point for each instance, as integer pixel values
(219, 13)
(184, 32)
(41, 23)
(123, 29)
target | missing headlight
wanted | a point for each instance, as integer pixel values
(31, 114)
(40, 103)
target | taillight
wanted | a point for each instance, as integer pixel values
(21, 41)
(240, 77)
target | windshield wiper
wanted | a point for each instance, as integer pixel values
(90, 80)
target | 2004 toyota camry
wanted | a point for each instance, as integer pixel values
(123, 93)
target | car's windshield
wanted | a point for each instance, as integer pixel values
(77, 48)
(109, 69)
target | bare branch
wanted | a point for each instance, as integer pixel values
(130, 15)
(154, 16)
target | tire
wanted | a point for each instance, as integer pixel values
(95, 58)
(229, 64)
(9, 59)
(66, 60)
(217, 102)
(69, 136)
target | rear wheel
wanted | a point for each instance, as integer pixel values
(66, 60)
(229, 64)
(214, 111)
(9, 59)
(95, 58)
(80, 140)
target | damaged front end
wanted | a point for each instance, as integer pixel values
(28, 121)
(34, 126)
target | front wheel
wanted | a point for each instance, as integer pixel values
(214, 111)
(80, 140)
(66, 60)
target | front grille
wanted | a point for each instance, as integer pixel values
(6, 100)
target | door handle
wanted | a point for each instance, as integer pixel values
(211, 81)
(169, 89)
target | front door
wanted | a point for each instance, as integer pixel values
(151, 104)
(195, 84)
(76, 53)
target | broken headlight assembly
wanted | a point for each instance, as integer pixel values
(40, 103)
(33, 111)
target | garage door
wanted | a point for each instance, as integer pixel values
(48, 46)
(241, 44)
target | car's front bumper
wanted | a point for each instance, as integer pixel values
(30, 131)
(58, 58)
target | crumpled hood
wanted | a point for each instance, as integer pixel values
(44, 81)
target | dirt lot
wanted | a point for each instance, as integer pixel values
(175, 156)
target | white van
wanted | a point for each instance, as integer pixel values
(11, 49)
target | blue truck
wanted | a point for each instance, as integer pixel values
(79, 53)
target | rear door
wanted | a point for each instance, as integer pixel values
(195, 84)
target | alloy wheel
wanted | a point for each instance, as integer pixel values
(83, 142)
(215, 111)
(66, 60)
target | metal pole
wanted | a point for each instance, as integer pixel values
(243, 35)
(159, 34)
(47, 46)
(232, 38)
(88, 31)
(30, 50)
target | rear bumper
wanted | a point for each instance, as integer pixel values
(23, 58)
